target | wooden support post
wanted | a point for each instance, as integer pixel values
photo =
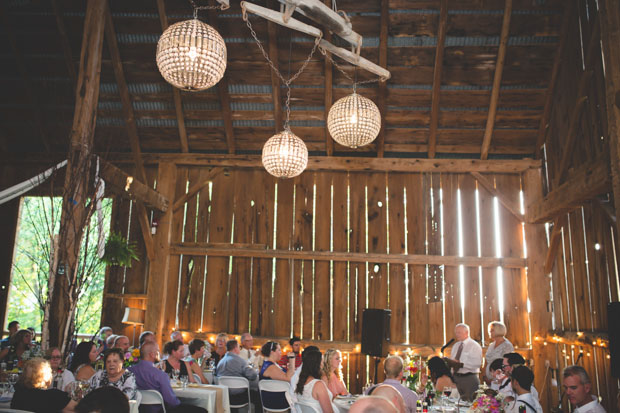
(435, 95)
(62, 294)
(538, 283)
(507, 203)
(176, 94)
(159, 269)
(497, 81)
(589, 181)
(383, 53)
(554, 243)
(544, 120)
(328, 92)
(609, 17)
(9, 217)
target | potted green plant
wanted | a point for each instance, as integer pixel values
(119, 251)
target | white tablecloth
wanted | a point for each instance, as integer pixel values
(204, 396)
(133, 405)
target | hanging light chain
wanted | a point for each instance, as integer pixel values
(355, 82)
(196, 7)
(284, 81)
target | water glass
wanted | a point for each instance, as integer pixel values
(184, 380)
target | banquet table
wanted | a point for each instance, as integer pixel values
(5, 403)
(212, 397)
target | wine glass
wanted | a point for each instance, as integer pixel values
(431, 395)
(184, 380)
(447, 391)
(12, 378)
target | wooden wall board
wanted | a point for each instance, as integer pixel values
(358, 216)
(561, 278)
(450, 230)
(203, 204)
(322, 287)
(436, 273)
(595, 273)
(580, 288)
(377, 239)
(341, 281)
(397, 287)
(283, 280)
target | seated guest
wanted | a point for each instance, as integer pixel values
(220, 348)
(174, 350)
(13, 328)
(115, 375)
(32, 393)
(393, 368)
(177, 336)
(149, 377)
(295, 344)
(146, 336)
(121, 342)
(271, 371)
(390, 393)
(197, 351)
(18, 345)
(332, 372)
(83, 359)
(310, 388)
(109, 342)
(373, 404)
(578, 388)
(247, 352)
(522, 379)
(102, 336)
(104, 400)
(295, 378)
(500, 380)
(233, 365)
(441, 376)
(61, 377)
(512, 360)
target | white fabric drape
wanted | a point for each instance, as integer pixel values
(23, 187)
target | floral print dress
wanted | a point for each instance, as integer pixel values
(126, 384)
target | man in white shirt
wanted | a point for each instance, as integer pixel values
(465, 361)
(522, 379)
(511, 361)
(247, 352)
(578, 389)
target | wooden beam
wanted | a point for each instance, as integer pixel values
(441, 41)
(383, 55)
(126, 296)
(497, 80)
(235, 251)
(507, 203)
(554, 243)
(279, 18)
(176, 93)
(577, 338)
(65, 44)
(222, 91)
(178, 203)
(37, 111)
(145, 229)
(275, 80)
(123, 184)
(329, 96)
(355, 59)
(590, 180)
(544, 120)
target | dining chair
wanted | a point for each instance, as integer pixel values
(304, 407)
(152, 397)
(14, 411)
(197, 378)
(273, 386)
(233, 382)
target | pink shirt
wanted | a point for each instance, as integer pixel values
(336, 386)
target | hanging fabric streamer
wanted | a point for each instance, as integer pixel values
(23, 187)
(100, 188)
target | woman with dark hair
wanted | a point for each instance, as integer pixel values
(440, 375)
(174, 362)
(32, 393)
(271, 371)
(18, 345)
(197, 351)
(83, 359)
(310, 388)
(115, 375)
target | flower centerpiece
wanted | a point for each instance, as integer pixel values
(131, 357)
(416, 375)
(487, 401)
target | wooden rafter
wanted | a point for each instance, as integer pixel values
(222, 91)
(37, 112)
(232, 250)
(497, 81)
(131, 127)
(441, 41)
(588, 181)
(65, 44)
(383, 53)
(554, 243)
(571, 135)
(176, 94)
(329, 92)
(178, 203)
(275, 80)
(544, 120)
(503, 199)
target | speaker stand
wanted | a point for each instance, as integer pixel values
(377, 359)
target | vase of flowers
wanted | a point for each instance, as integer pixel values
(416, 374)
(487, 401)
(131, 357)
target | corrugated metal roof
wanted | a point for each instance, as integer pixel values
(202, 106)
(251, 106)
(238, 89)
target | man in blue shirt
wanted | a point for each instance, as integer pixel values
(232, 364)
(13, 328)
(149, 377)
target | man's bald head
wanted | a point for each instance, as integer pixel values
(390, 393)
(393, 367)
(373, 404)
(149, 351)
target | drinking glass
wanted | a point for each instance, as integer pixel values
(12, 378)
(184, 380)
(447, 391)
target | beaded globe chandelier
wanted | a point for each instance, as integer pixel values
(354, 121)
(285, 155)
(191, 55)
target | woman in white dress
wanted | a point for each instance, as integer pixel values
(310, 388)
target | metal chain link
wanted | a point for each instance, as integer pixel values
(341, 69)
(196, 7)
(286, 82)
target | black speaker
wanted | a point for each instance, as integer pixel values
(613, 326)
(376, 332)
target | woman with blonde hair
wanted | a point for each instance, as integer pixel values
(331, 372)
(18, 345)
(220, 348)
(498, 347)
(62, 377)
(32, 393)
